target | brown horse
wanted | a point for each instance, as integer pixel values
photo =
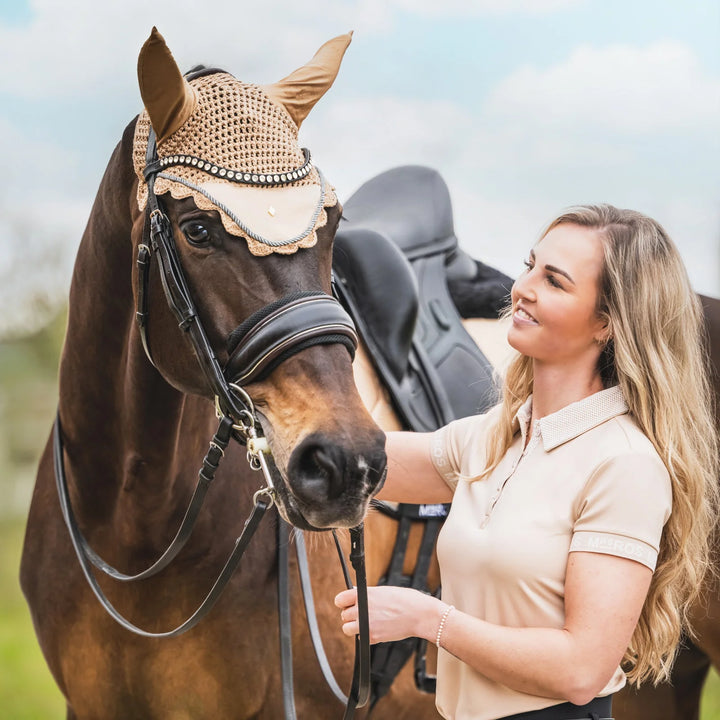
(136, 424)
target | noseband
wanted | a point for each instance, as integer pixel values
(255, 348)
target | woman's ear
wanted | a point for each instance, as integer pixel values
(605, 333)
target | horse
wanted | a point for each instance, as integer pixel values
(162, 341)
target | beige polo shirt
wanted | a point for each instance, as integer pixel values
(588, 481)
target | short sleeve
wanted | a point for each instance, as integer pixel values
(458, 449)
(623, 508)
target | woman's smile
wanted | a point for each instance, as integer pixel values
(523, 317)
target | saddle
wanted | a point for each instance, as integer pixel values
(395, 251)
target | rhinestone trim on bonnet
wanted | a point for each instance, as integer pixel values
(238, 176)
(237, 128)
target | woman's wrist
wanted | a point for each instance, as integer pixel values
(435, 613)
(441, 625)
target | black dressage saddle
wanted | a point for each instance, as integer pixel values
(394, 252)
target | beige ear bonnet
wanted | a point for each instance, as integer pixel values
(233, 149)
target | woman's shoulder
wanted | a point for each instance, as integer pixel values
(626, 457)
(627, 438)
(458, 448)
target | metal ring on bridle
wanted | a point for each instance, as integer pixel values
(268, 492)
(244, 397)
(246, 418)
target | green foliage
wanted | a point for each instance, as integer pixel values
(710, 709)
(28, 396)
(27, 690)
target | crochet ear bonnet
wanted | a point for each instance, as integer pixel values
(233, 146)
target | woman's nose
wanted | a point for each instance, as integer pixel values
(524, 286)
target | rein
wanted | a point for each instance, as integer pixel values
(360, 690)
(266, 339)
(261, 502)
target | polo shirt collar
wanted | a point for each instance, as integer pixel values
(574, 419)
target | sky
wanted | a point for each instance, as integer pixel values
(524, 107)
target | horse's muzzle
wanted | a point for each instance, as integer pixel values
(330, 485)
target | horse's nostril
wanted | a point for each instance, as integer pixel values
(317, 472)
(323, 461)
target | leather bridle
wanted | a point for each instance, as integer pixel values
(257, 346)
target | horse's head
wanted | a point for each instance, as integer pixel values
(252, 222)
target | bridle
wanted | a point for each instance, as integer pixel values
(267, 338)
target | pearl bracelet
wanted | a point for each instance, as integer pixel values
(441, 626)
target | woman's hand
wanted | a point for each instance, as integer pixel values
(394, 613)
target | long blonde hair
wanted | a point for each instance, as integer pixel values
(658, 356)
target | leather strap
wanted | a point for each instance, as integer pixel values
(310, 614)
(388, 659)
(180, 302)
(259, 508)
(290, 327)
(141, 314)
(205, 477)
(285, 621)
(599, 708)
(360, 690)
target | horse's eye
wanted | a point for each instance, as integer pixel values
(196, 233)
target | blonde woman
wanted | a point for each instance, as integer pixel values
(583, 503)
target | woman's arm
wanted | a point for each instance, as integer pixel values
(412, 477)
(604, 595)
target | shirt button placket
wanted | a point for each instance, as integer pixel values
(485, 519)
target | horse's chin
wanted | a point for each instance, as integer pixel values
(314, 519)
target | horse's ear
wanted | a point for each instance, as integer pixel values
(300, 90)
(167, 96)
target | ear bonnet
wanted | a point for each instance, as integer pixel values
(232, 146)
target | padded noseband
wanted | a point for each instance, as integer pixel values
(284, 328)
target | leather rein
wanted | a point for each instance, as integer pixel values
(258, 345)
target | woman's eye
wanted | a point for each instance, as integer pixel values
(196, 233)
(528, 265)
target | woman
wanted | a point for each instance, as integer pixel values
(583, 503)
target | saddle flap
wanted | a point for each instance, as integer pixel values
(382, 292)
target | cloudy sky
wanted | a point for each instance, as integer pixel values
(524, 106)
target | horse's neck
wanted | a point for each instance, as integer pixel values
(119, 415)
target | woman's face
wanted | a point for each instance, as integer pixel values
(554, 301)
